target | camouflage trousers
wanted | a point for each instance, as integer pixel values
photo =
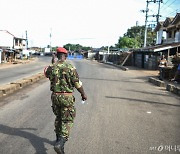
(65, 112)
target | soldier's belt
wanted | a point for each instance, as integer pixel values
(62, 93)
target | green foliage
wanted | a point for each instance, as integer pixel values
(126, 42)
(151, 37)
(110, 48)
(136, 32)
(54, 48)
(86, 48)
(104, 48)
(134, 38)
(76, 47)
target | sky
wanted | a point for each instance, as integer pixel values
(93, 23)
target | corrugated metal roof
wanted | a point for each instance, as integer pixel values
(176, 19)
(158, 48)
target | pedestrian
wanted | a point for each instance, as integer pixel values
(177, 75)
(162, 65)
(63, 79)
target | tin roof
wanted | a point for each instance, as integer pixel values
(158, 48)
(168, 21)
(176, 19)
(159, 26)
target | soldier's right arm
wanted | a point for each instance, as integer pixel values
(78, 84)
(83, 95)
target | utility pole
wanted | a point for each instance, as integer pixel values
(146, 16)
(137, 23)
(26, 40)
(50, 35)
(159, 4)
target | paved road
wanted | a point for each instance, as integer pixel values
(125, 115)
(8, 75)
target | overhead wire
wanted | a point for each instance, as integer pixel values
(173, 12)
(168, 14)
(164, 4)
(168, 5)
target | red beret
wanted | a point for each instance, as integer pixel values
(62, 50)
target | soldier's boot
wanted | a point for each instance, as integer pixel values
(59, 145)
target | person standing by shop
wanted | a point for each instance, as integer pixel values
(162, 65)
(177, 75)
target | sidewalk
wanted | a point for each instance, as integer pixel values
(152, 76)
(16, 63)
(153, 73)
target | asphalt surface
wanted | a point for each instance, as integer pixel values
(124, 114)
(9, 74)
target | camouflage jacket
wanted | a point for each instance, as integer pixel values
(63, 77)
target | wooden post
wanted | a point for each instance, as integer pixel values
(177, 52)
(168, 56)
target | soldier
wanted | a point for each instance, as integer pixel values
(63, 79)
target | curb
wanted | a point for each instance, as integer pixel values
(169, 87)
(122, 67)
(119, 66)
(157, 82)
(18, 84)
(173, 89)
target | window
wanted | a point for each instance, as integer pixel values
(169, 34)
(174, 33)
(16, 42)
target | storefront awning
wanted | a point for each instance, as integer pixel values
(163, 48)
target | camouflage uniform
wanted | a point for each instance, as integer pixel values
(63, 78)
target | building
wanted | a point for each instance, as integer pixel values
(171, 27)
(167, 43)
(10, 45)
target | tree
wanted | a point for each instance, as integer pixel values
(151, 37)
(69, 46)
(54, 48)
(136, 32)
(76, 47)
(136, 37)
(126, 42)
(86, 48)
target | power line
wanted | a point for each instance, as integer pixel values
(165, 3)
(169, 5)
(146, 16)
(164, 16)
